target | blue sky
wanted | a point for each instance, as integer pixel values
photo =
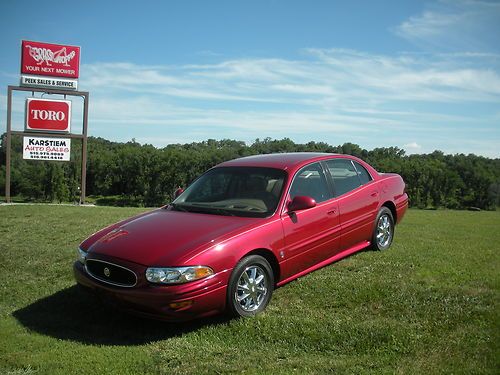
(420, 75)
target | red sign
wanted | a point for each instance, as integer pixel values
(48, 115)
(52, 60)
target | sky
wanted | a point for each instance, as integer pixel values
(419, 75)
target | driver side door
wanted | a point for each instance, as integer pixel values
(310, 235)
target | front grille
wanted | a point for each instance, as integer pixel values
(110, 273)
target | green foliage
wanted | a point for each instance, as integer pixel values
(429, 305)
(130, 173)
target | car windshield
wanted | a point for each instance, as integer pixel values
(234, 191)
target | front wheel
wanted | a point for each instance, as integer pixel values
(384, 230)
(250, 286)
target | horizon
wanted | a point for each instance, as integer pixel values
(250, 144)
(420, 76)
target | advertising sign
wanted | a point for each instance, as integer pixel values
(43, 148)
(49, 65)
(48, 115)
(53, 60)
(49, 83)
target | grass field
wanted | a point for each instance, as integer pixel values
(428, 305)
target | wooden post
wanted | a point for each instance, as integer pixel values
(9, 141)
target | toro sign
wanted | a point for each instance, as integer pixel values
(48, 115)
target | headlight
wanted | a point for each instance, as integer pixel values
(81, 256)
(177, 275)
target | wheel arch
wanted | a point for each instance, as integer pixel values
(392, 207)
(271, 258)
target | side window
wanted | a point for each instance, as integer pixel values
(345, 177)
(310, 181)
(363, 174)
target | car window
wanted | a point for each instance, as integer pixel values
(213, 189)
(236, 191)
(363, 174)
(310, 181)
(345, 177)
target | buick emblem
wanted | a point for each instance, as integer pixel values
(107, 272)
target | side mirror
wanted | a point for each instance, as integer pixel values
(178, 192)
(301, 203)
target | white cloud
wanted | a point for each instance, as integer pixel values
(429, 24)
(454, 25)
(412, 147)
(327, 78)
(330, 95)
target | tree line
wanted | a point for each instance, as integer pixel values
(143, 175)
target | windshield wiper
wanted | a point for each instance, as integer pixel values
(216, 210)
(222, 211)
(179, 207)
(203, 209)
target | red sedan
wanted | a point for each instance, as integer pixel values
(239, 231)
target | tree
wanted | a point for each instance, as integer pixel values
(145, 175)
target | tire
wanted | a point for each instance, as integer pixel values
(250, 287)
(383, 232)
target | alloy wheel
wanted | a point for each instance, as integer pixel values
(252, 288)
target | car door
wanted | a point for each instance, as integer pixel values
(311, 235)
(357, 196)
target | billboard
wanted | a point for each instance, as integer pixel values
(49, 65)
(53, 60)
(48, 115)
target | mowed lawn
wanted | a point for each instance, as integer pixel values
(428, 305)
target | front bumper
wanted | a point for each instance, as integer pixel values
(203, 297)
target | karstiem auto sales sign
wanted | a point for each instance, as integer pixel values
(49, 65)
(42, 148)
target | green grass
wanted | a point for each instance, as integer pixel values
(428, 305)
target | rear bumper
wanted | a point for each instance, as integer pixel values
(401, 207)
(203, 298)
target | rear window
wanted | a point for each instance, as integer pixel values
(345, 176)
(363, 174)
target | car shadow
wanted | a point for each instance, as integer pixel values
(71, 314)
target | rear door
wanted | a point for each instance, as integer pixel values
(357, 196)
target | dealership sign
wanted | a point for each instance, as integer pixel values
(49, 83)
(41, 62)
(48, 115)
(43, 148)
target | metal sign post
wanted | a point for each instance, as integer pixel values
(83, 136)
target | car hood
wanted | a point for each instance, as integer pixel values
(167, 238)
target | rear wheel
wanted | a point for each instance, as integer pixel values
(383, 233)
(250, 286)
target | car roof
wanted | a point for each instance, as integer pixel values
(281, 161)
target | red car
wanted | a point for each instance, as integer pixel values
(239, 231)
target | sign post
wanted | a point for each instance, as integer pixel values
(48, 69)
(50, 136)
